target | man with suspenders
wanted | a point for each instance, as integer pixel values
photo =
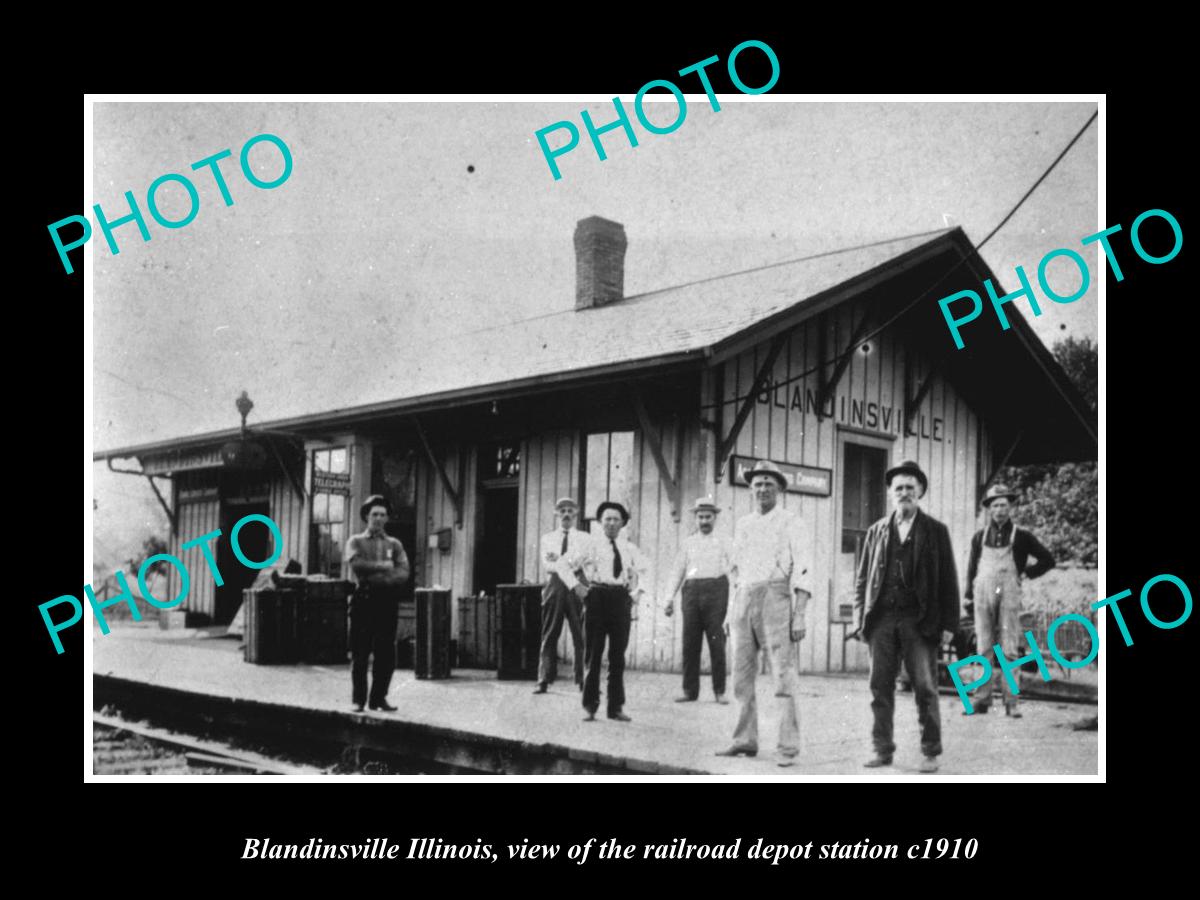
(999, 554)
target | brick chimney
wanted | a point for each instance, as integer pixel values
(599, 262)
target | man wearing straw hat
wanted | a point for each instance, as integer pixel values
(559, 601)
(906, 599)
(999, 557)
(701, 569)
(771, 592)
(379, 565)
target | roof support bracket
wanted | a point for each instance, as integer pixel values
(827, 387)
(437, 465)
(154, 487)
(291, 476)
(913, 402)
(1003, 462)
(748, 402)
(162, 502)
(660, 461)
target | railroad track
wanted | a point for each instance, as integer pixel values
(120, 747)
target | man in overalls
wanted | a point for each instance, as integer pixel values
(999, 557)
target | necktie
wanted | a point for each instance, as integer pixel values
(616, 560)
(564, 549)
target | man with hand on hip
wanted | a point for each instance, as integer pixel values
(998, 561)
(614, 573)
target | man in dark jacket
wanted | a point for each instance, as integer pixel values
(999, 558)
(906, 599)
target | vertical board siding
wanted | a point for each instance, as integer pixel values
(194, 518)
(871, 384)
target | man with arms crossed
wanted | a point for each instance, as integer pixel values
(906, 600)
(770, 601)
(379, 566)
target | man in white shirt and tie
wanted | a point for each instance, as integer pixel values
(771, 593)
(614, 574)
(701, 569)
(558, 600)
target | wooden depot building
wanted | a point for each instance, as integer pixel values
(834, 366)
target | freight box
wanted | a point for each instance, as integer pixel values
(520, 631)
(433, 634)
(477, 632)
(271, 636)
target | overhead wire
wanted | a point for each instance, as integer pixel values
(837, 358)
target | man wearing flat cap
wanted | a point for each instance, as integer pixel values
(559, 601)
(771, 593)
(701, 569)
(611, 584)
(379, 566)
(999, 558)
(906, 600)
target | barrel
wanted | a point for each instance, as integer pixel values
(433, 633)
(519, 632)
(271, 626)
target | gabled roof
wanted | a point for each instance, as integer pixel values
(682, 324)
(664, 326)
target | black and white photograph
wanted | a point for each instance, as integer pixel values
(535, 438)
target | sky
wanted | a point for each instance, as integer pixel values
(404, 222)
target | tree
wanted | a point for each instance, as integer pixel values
(1080, 359)
(1059, 502)
(151, 546)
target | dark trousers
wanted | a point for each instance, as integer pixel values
(373, 613)
(558, 603)
(705, 601)
(894, 637)
(605, 618)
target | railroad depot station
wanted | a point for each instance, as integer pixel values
(835, 367)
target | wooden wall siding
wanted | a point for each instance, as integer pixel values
(872, 388)
(435, 511)
(194, 518)
(288, 512)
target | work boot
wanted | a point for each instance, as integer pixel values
(877, 761)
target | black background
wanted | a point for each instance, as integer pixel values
(1061, 830)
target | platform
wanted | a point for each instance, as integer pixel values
(479, 723)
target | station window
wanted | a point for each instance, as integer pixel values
(330, 499)
(505, 461)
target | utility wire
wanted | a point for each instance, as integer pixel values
(888, 324)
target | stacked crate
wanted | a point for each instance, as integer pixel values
(300, 621)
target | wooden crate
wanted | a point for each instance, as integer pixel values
(433, 634)
(477, 632)
(271, 636)
(519, 631)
